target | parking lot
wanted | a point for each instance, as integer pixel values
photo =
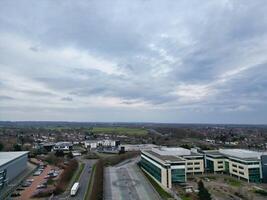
(36, 182)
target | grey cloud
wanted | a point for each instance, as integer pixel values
(157, 47)
(4, 97)
(66, 99)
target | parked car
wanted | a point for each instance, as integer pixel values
(37, 173)
(26, 184)
(41, 186)
(15, 194)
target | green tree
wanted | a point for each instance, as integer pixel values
(1, 146)
(17, 147)
(203, 193)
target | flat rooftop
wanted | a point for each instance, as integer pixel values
(8, 156)
(235, 153)
(172, 151)
(165, 158)
(241, 153)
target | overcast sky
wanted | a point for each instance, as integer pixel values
(137, 60)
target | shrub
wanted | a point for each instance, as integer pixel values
(66, 176)
(261, 192)
(97, 184)
(203, 193)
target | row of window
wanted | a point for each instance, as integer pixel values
(196, 163)
(178, 175)
(191, 168)
(240, 172)
(245, 163)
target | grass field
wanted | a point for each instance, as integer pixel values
(233, 182)
(164, 195)
(119, 131)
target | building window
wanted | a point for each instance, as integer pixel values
(220, 162)
(234, 170)
(240, 167)
(197, 168)
(242, 173)
(254, 175)
(234, 165)
(210, 165)
(190, 163)
(190, 168)
(152, 169)
(178, 175)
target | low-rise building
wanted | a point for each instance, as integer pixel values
(12, 164)
(63, 146)
(169, 166)
(93, 144)
(138, 147)
(243, 164)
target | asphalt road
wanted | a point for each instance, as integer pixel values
(84, 181)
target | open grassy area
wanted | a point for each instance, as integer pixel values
(164, 195)
(119, 131)
(89, 188)
(261, 192)
(81, 167)
(233, 182)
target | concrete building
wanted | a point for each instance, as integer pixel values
(169, 166)
(138, 147)
(63, 146)
(243, 164)
(11, 165)
(93, 144)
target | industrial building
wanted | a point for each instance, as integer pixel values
(247, 165)
(169, 166)
(12, 164)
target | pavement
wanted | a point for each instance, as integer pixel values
(125, 181)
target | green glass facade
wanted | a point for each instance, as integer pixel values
(178, 175)
(254, 175)
(151, 168)
(226, 167)
(210, 165)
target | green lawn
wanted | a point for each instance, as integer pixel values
(164, 195)
(77, 177)
(233, 182)
(119, 131)
(89, 187)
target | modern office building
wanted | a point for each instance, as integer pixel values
(11, 165)
(169, 166)
(243, 164)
